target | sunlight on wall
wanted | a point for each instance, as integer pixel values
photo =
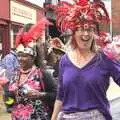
(113, 91)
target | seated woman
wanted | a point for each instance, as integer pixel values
(33, 87)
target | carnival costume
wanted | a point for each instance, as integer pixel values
(30, 108)
(82, 90)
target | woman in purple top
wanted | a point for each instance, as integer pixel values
(84, 72)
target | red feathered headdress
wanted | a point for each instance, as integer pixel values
(112, 50)
(70, 16)
(103, 39)
(35, 31)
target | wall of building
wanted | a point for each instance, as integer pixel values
(116, 17)
(13, 15)
(4, 26)
(4, 9)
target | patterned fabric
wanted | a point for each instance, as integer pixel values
(28, 108)
(10, 63)
(88, 115)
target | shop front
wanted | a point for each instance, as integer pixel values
(20, 14)
(4, 40)
(4, 27)
(13, 15)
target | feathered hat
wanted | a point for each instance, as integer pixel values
(26, 41)
(83, 13)
(112, 50)
(56, 45)
(103, 39)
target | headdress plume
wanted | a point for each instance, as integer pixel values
(70, 15)
(35, 31)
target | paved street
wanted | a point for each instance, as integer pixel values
(5, 116)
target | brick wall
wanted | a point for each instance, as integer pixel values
(116, 17)
(4, 9)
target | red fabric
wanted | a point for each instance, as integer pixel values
(30, 82)
(23, 111)
(103, 39)
(3, 78)
(112, 50)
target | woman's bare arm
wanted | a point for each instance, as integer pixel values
(57, 108)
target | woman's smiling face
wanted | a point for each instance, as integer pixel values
(25, 60)
(84, 37)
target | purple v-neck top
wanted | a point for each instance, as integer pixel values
(85, 88)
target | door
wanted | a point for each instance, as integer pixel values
(4, 40)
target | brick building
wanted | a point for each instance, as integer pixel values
(13, 15)
(115, 17)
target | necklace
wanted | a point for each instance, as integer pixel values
(25, 71)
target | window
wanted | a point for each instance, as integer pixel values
(14, 31)
(1, 34)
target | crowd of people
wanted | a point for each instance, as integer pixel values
(72, 81)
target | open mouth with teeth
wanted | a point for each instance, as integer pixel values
(85, 38)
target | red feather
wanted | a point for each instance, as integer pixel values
(103, 39)
(35, 31)
(82, 2)
(70, 15)
(19, 37)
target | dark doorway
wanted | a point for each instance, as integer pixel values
(53, 31)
